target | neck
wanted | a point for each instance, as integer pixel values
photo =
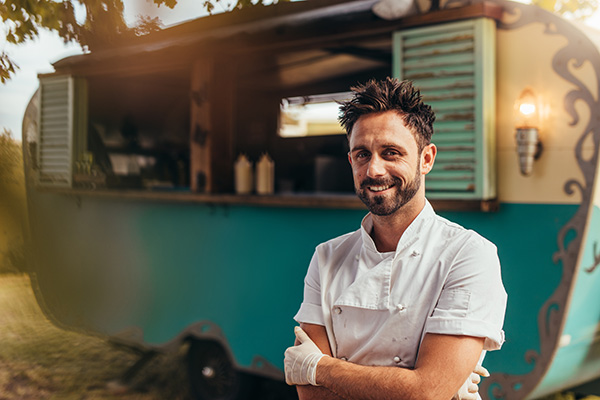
(388, 229)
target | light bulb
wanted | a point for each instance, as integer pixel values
(527, 110)
(529, 147)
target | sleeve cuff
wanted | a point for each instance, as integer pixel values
(310, 314)
(494, 337)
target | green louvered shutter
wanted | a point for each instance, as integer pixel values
(62, 129)
(454, 67)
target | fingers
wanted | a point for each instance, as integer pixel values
(291, 360)
(301, 335)
(474, 380)
(472, 388)
(301, 360)
(288, 362)
(469, 389)
(481, 371)
(288, 376)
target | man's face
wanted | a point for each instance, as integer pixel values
(386, 162)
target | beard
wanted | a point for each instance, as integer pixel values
(389, 203)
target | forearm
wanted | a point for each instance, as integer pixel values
(444, 362)
(357, 382)
(308, 392)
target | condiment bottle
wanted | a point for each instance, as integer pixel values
(243, 175)
(265, 175)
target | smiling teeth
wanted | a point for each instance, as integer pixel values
(379, 188)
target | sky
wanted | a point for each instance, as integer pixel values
(36, 57)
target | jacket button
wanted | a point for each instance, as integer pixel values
(397, 359)
(343, 359)
(337, 310)
(401, 307)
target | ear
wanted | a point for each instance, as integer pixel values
(428, 158)
(350, 158)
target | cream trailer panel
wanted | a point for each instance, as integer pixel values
(525, 60)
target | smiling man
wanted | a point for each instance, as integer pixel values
(406, 306)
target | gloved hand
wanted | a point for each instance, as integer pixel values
(301, 360)
(469, 389)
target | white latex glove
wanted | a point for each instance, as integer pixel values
(301, 361)
(469, 389)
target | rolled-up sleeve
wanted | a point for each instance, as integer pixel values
(310, 310)
(473, 300)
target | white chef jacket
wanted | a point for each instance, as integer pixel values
(377, 307)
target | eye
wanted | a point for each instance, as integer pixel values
(361, 155)
(391, 153)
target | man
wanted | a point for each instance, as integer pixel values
(409, 289)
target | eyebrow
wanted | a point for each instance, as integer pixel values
(356, 148)
(384, 146)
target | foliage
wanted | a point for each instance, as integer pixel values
(103, 23)
(14, 257)
(567, 396)
(210, 5)
(559, 396)
(11, 161)
(576, 9)
(12, 204)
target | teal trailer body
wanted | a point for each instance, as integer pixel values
(154, 259)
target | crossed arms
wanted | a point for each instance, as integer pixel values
(444, 363)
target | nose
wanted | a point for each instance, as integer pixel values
(376, 166)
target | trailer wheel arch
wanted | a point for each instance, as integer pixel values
(213, 374)
(209, 357)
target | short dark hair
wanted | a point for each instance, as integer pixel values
(390, 94)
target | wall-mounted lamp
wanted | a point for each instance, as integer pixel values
(529, 145)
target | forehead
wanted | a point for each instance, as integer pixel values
(381, 128)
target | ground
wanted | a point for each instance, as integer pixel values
(40, 361)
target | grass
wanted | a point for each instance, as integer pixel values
(40, 361)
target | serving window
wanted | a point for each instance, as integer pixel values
(114, 132)
(180, 126)
(138, 130)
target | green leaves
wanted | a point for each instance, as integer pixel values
(576, 9)
(7, 67)
(23, 20)
(146, 25)
(168, 3)
(10, 159)
(103, 25)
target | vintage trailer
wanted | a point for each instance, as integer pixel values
(137, 233)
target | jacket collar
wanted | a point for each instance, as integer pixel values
(410, 235)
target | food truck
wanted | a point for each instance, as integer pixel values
(148, 225)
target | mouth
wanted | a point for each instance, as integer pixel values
(378, 189)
